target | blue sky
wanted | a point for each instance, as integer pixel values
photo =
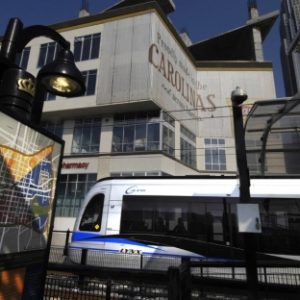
(200, 18)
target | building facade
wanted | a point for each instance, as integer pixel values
(290, 56)
(152, 107)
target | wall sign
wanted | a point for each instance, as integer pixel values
(75, 165)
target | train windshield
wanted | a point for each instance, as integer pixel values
(92, 216)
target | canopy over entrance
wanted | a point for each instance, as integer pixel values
(272, 134)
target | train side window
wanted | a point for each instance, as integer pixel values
(92, 216)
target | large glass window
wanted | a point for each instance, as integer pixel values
(136, 132)
(92, 216)
(188, 147)
(48, 53)
(215, 158)
(22, 58)
(87, 47)
(86, 136)
(71, 189)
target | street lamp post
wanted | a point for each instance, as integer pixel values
(20, 92)
(238, 96)
(21, 100)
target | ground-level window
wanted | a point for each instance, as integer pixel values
(71, 189)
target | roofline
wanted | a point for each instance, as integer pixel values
(146, 7)
(167, 6)
(153, 5)
(124, 12)
(249, 24)
(231, 64)
(263, 18)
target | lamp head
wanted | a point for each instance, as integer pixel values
(61, 77)
(238, 96)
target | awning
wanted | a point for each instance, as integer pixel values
(272, 136)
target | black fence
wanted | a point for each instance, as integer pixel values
(99, 275)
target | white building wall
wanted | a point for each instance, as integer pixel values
(215, 86)
(140, 60)
(124, 60)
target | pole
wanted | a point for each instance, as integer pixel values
(238, 96)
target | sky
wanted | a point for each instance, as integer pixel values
(202, 19)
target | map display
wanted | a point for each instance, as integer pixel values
(29, 162)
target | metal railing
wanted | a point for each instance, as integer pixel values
(135, 276)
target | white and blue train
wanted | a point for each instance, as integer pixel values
(185, 216)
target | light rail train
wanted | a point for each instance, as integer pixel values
(185, 217)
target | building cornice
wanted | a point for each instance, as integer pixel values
(234, 65)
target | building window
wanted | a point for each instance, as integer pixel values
(136, 132)
(48, 52)
(22, 58)
(86, 137)
(54, 127)
(215, 158)
(188, 147)
(167, 118)
(168, 138)
(90, 77)
(87, 47)
(71, 189)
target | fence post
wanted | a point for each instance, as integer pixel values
(83, 256)
(141, 262)
(185, 279)
(174, 284)
(82, 262)
(265, 275)
(108, 290)
(66, 242)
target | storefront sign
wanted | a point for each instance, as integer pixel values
(75, 165)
